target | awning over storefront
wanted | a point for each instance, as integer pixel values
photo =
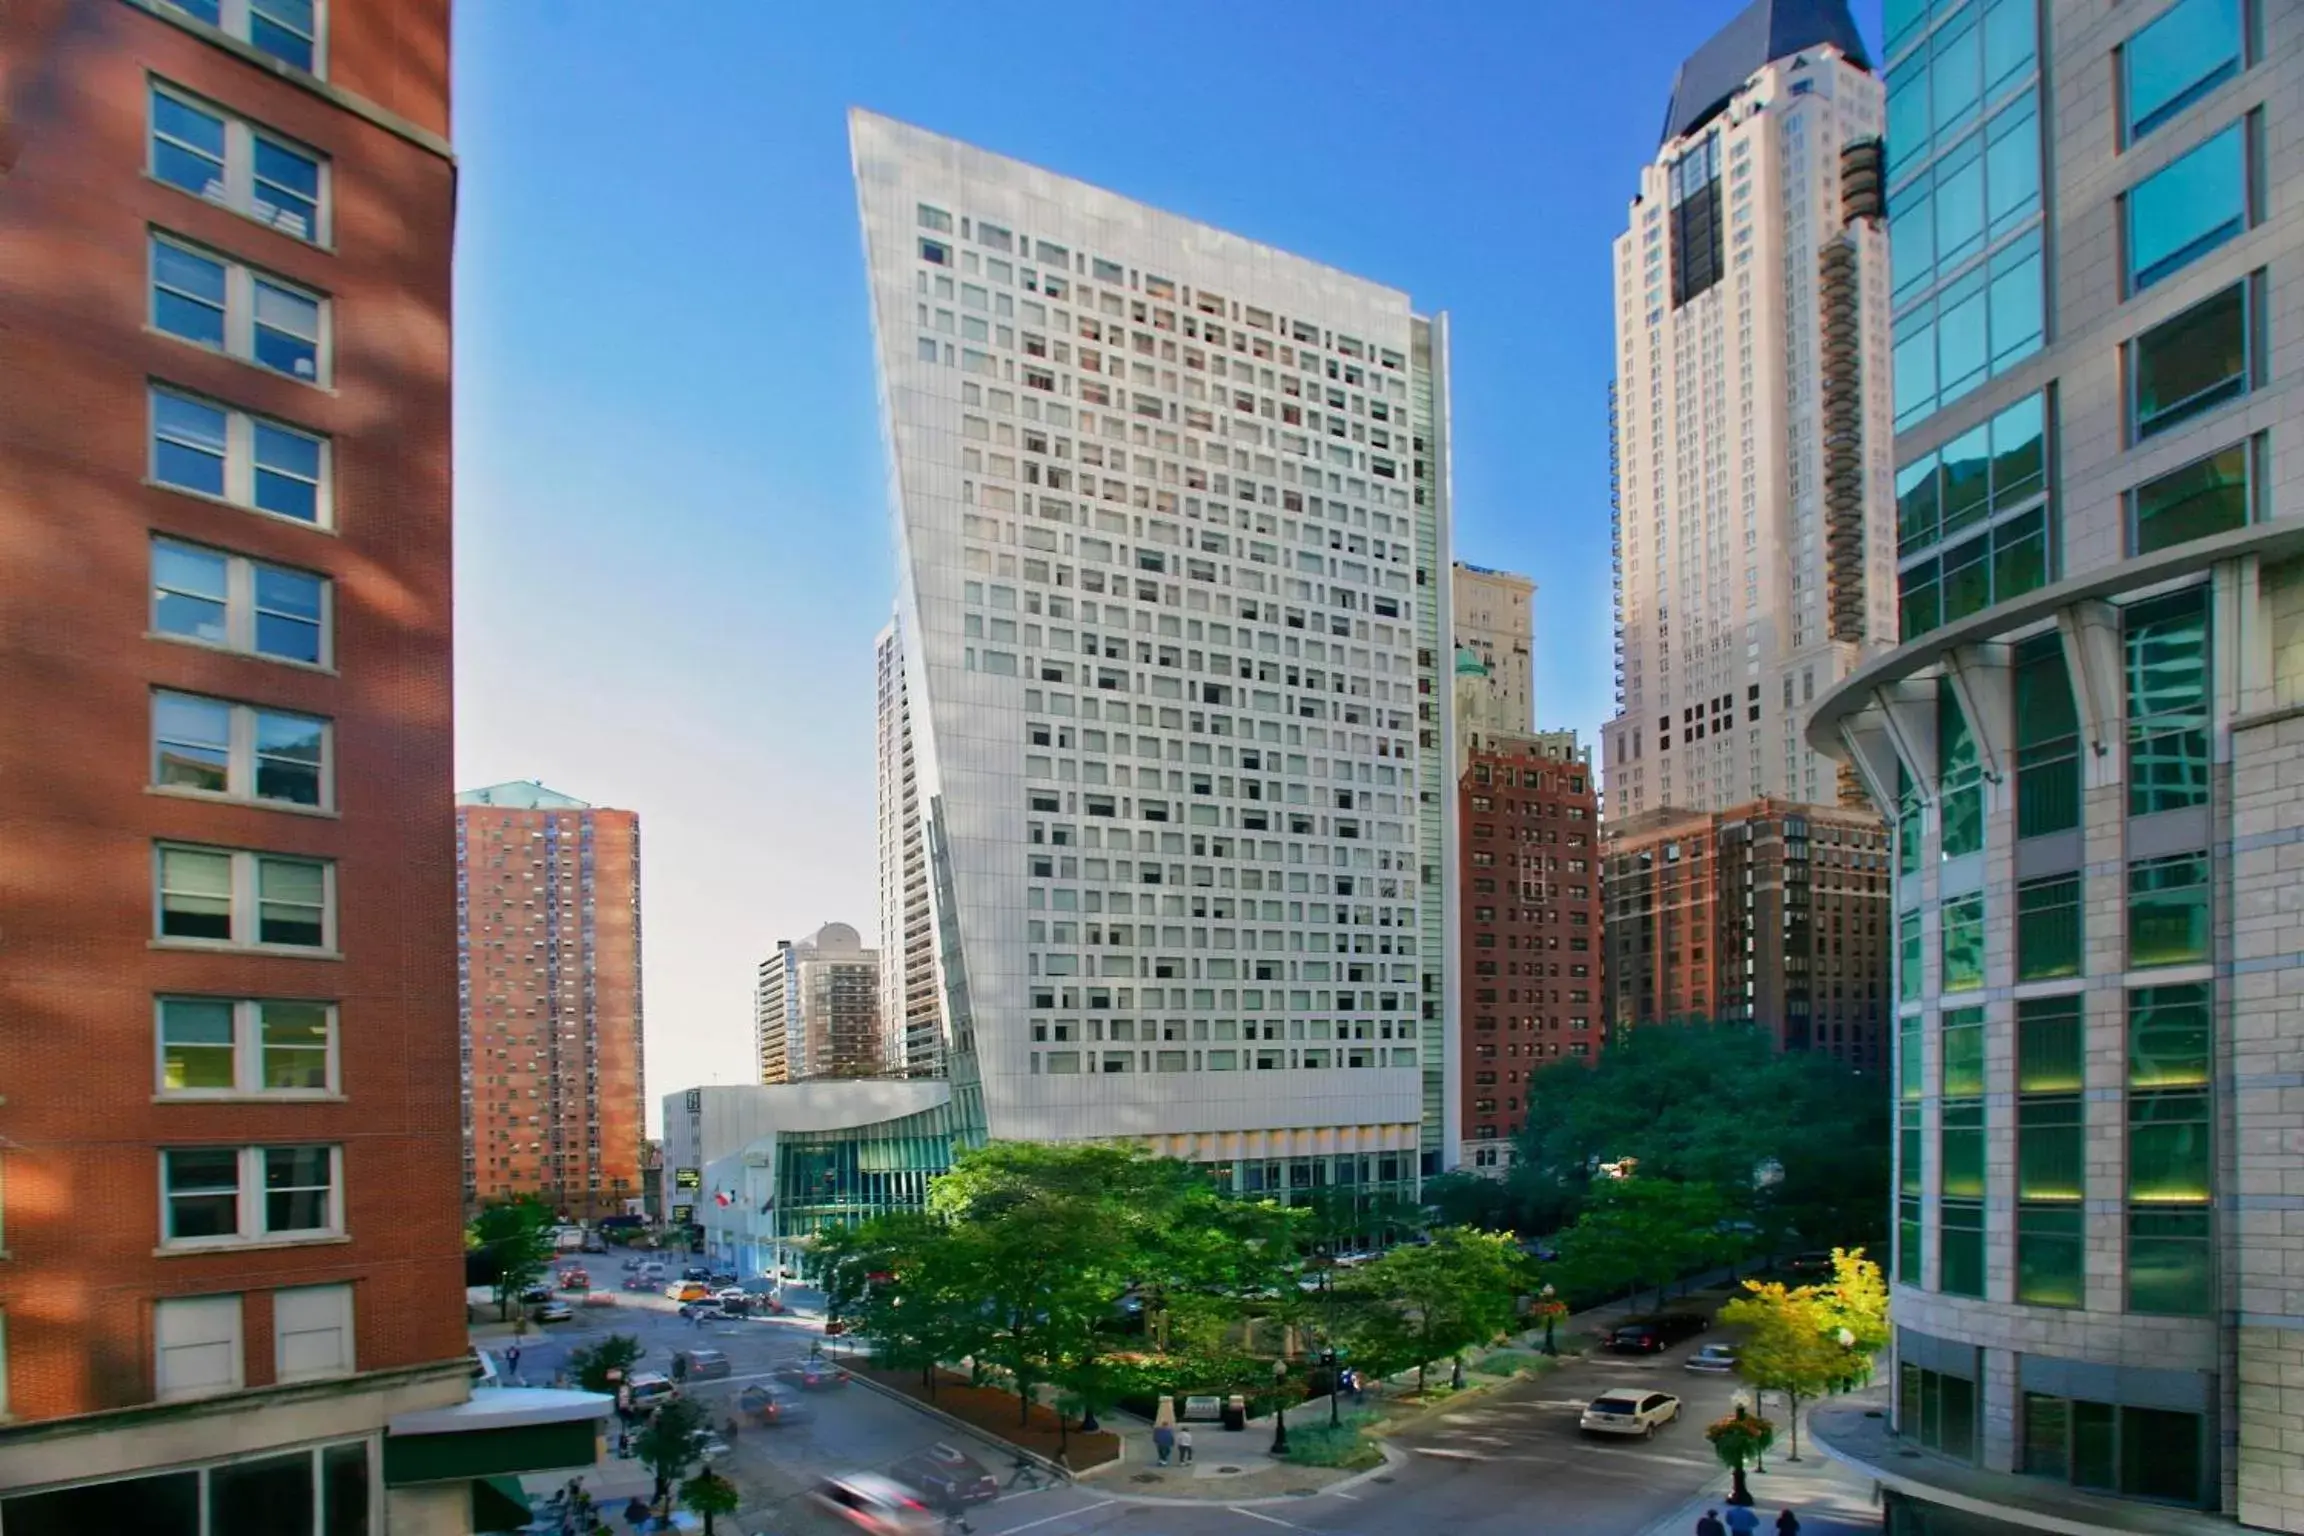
(497, 1433)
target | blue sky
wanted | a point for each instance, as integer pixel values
(672, 537)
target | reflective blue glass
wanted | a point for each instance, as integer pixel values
(1956, 82)
(2185, 53)
(1915, 369)
(2018, 303)
(1963, 350)
(1960, 204)
(1911, 241)
(2188, 208)
(2011, 43)
(1900, 18)
(2012, 165)
(1908, 138)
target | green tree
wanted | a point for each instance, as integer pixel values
(1856, 1299)
(1462, 1199)
(514, 1239)
(1791, 1345)
(666, 1445)
(591, 1364)
(1440, 1297)
(1642, 1231)
(710, 1495)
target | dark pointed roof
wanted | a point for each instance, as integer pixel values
(1763, 30)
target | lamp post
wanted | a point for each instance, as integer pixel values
(1550, 1316)
(1335, 1386)
(1279, 1408)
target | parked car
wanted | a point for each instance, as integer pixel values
(1816, 1264)
(1716, 1359)
(649, 1390)
(576, 1278)
(699, 1364)
(638, 1283)
(552, 1312)
(696, 1272)
(772, 1403)
(721, 1277)
(687, 1290)
(536, 1295)
(1629, 1411)
(947, 1475)
(874, 1504)
(812, 1374)
(1653, 1335)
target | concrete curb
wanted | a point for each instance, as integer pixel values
(1394, 1459)
(976, 1431)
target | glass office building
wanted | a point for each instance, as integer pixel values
(2091, 737)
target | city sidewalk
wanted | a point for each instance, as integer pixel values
(1228, 1466)
(1827, 1498)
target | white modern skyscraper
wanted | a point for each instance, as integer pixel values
(1172, 526)
(911, 1013)
(1755, 511)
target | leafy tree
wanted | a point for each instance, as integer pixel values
(513, 1238)
(666, 1446)
(1463, 1199)
(1438, 1298)
(1795, 1141)
(1791, 1345)
(709, 1494)
(1641, 1231)
(590, 1364)
(1856, 1299)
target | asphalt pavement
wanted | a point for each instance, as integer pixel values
(1510, 1463)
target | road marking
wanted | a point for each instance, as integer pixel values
(1448, 1455)
(1085, 1509)
(1267, 1519)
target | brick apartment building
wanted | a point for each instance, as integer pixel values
(548, 898)
(1529, 810)
(1771, 911)
(231, 1256)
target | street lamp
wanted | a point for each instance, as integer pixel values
(1279, 1408)
(1550, 1314)
(1335, 1386)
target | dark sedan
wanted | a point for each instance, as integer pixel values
(946, 1475)
(1653, 1335)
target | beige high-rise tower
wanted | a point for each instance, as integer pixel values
(1751, 417)
(1495, 614)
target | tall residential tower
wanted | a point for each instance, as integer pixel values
(911, 1007)
(1755, 524)
(2090, 741)
(548, 892)
(1172, 523)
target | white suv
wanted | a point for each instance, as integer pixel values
(1629, 1411)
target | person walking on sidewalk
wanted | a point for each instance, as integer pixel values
(1787, 1524)
(1163, 1441)
(1710, 1525)
(1741, 1520)
(1183, 1446)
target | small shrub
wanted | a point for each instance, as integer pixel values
(1345, 1445)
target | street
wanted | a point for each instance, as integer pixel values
(1508, 1464)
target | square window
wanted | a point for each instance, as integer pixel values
(226, 159)
(214, 301)
(2180, 56)
(2188, 208)
(2168, 910)
(2191, 362)
(2203, 498)
(202, 1193)
(223, 896)
(212, 450)
(214, 747)
(312, 1332)
(196, 1346)
(234, 603)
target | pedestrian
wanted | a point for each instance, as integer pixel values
(1183, 1446)
(512, 1360)
(1710, 1525)
(1741, 1520)
(1787, 1524)
(1163, 1441)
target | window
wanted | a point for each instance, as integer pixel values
(224, 1195)
(213, 1047)
(323, 1491)
(2170, 1183)
(2179, 57)
(234, 603)
(2165, 646)
(1937, 1409)
(1985, 490)
(2048, 925)
(225, 159)
(2187, 208)
(2142, 1453)
(213, 450)
(312, 1332)
(289, 30)
(2168, 910)
(196, 1347)
(2047, 739)
(2205, 497)
(1960, 779)
(2191, 362)
(208, 746)
(219, 896)
(1908, 978)
(2050, 1152)
(935, 219)
(1963, 943)
(213, 301)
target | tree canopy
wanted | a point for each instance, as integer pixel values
(1807, 1340)
(1425, 1301)
(1795, 1141)
(513, 1241)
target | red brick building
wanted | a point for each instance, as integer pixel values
(229, 1214)
(1529, 813)
(1773, 911)
(548, 894)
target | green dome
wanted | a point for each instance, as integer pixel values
(1468, 664)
